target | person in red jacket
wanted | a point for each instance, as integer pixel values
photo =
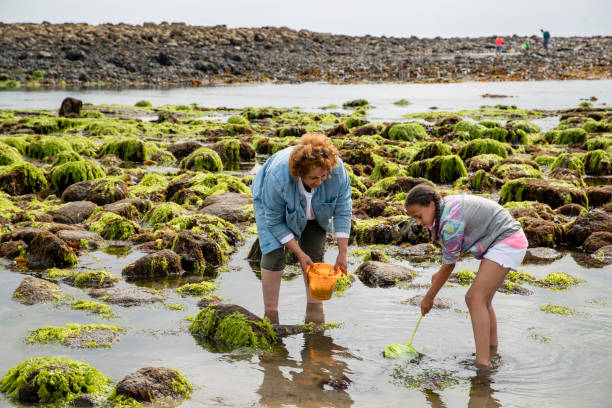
(498, 44)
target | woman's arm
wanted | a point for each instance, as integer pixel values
(302, 257)
(438, 280)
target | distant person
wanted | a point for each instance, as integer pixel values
(545, 37)
(498, 44)
(525, 46)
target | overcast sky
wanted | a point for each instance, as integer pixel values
(399, 18)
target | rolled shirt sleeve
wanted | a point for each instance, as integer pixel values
(287, 238)
(344, 206)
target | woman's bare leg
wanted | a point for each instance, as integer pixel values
(490, 276)
(309, 299)
(270, 284)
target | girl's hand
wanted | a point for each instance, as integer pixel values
(341, 263)
(305, 261)
(426, 304)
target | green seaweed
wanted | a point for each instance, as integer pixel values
(113, 227)
(407, 131)
(202, 159)
(196, 289)
(72, 172)
(162, 213)
(51, 334)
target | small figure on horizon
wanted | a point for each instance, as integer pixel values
(545, 37)
(499, 41)
(525, 46)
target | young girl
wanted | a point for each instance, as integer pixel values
(468, 223)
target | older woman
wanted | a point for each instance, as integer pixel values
(296, 195)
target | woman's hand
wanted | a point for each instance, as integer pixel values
(341, 263)
(426, 304)
(305, 261)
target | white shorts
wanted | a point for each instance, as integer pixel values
(505, 255)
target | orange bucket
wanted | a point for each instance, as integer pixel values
(322, 280)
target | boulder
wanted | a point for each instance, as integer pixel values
(127, 296)
(77, 238)
(599, 196)
(48, 251)
(71, 107)
(184, 149)
(415, 253)
(555, 193)
(232, 207)
(373, 273)
(541, 232)
(34, 290)
(439, 302)
(12, 249)
(99, 191)
(196, 251)
(74, 212)
(597, 240)
(153, 383)
(161, 264)
(541, 255)
(586, 224)
(571, 210)
(603, 256)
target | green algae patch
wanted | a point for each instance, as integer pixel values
(520, 276)
(143, 104)
(233, 329)
(485, 112)
(344, 283)
(566, 136)
(76, 335)
(52, 380)
(507, 171)
(414, 377)
(113, 227)
(152, 185)
(384, 168)
(93, 279)
(557, 309)
(431, 150)
(465, 277)
(598, 163)
(441, 169)
(9, 155)
(94, 307)
(162, 213)
(196, 289)
(402, 102)
(559, 281)
(202, 159)
(175, 306)
(568, 161)
(7, 208)
(484, 146)
(31, 177)
(407, 131)
(545, 160)
(595, 143)
(123, 401)
(46, 146)
(72, 172)
(129, 149)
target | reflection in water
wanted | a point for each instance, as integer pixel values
(319, 380)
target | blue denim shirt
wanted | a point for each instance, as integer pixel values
(280, 208)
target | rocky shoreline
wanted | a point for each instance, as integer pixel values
(164, 55)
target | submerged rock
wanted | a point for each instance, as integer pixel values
(34, 290)
(152, 383)
(161, 264)
(439, 302)
(542, 255)
(415, 253)
(127, 296)
(374, 273)
(597, 240)
(77, 335)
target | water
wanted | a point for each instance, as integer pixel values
(546, 360)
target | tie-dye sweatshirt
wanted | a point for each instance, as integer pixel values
(470, 223)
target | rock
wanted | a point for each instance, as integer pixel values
(208, 300)
(13, 249)
(84, 400)
(541, 255)
(338, 130)
(34, 290)
(555, 193)
(99, 191)
(184, 149)
(415, 253)
(76, 239)
(74, 212)
(373, 207)
(586, 224)
(374, 273)
(48, 251)
(161, 264)
(127, 296)
(197, 251)
(70, 107)
(22, 178)
(570, 210)
(129, 208)
(599, 196)
(154, 383)
(541, 232)
(603, 255)
(597, 240)
(510, 288)
(571, 176)
(232, 207)
(439, 303)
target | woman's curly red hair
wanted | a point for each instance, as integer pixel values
(314, 150)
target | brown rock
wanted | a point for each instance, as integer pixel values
(71, 107)
(48, 251)
(373, 273)
(150, 384)
(164, 263)
(74, 212)
(99, 191)
(34, 290)
(586, 224)
(597, 240)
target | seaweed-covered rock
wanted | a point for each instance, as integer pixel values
(129, 149)
(202, 159)
(439, 303)
(599, 196)
(603, 256)
(396, 229)
(232, 207)
(233, 326)
(441, 169)
(152, 383)
(72, 172)
(196, 251)
(541, 233)
(22, 178)
(416, 253)
(52, 380)
(484, 146)
(511, 171)
(568, 161)
(407, 131)
(483, 181)
(586, 224)
(571, 210)
(46, 146)
(34, 290)
(78, 238)
(184, 149)
(571, 176)
(99, 191)
(84, 279)
(552, 192)
(127, 296)
(74, 212)
(371, 207)
(162, 213)
(566, 136)
(542, 255)
(112, 226)
(9, 155)
(77, 335)
(13, 249)
(48, 251)
(597, 240)
(598, 163)
(482, 162)
(161, 264)
(374, 273)
(432, 150)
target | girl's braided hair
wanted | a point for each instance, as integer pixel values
(423, 194)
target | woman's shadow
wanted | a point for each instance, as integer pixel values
(318, 380)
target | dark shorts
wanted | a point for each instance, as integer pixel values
(312, 243)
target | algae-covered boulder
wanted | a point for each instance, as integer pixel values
(432, 150)
(395, 229)
(129, 149)
(566, 136)
(46, 146)
(112, 226)
(100, 191)
(598, 163)
(407, 131)
(511, 171)
(597, 240)
(202, 159)
(392, 185)
(74, 212)
(184, 149)
(72, 172)
(552, 192)
(77, 335)
(153, 383)
(571, 176)
(599, 196)
(541, 233)
(441, 169)
(482, 162)
(22, 178)
(161, 264)
(439, 303)
(569, 161)
(484, 146)
(373, 273)
(196, 251)
(78, 238)
(48, 251)
(162, 213)
(9, 155)
(231, 326)
(84, 279)
(586, 224)
(33, 290)
(484, 182)
(52, 380)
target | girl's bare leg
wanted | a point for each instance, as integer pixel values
(478, 298)
(270, 284)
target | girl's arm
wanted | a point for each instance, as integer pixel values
(438, 280)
